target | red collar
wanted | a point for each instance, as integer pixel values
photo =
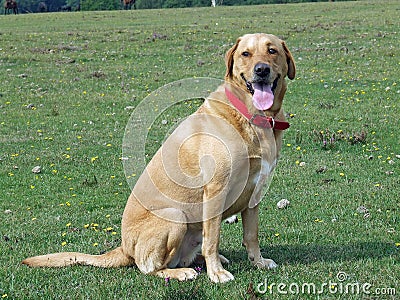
(256, 119)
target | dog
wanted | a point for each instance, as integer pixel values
(211, 167)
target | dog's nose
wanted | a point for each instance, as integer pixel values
(262, 70)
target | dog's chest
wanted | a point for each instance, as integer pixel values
(261, 181)
(265, 170)
(258, 180)
(262, 166)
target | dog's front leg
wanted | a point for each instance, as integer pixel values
(211, 234)
(250, 239)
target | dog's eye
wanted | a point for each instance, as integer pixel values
(272, 51)
(245, 54)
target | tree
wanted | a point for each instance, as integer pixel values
(100, 4)
(29, 6)
(75, 4)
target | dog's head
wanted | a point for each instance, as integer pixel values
(259, 63)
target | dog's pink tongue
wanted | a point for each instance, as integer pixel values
(263, 98)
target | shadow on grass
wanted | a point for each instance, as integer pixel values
(311, 253)
(289, 254)
(185, 294)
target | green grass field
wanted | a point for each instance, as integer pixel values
(67, 80)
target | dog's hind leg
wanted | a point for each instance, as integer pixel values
(181, 274)
(158, 246)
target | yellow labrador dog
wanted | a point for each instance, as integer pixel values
(211, 167)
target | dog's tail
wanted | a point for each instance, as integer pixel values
(114, 258)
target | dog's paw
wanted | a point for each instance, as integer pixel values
(182, 274)
(188, 274)
(221, 276)
(265, 263)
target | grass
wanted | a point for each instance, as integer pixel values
(67, 79)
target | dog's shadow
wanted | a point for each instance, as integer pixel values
(293, 255)
(312, 253)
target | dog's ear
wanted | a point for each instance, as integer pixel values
(229, 59)
(290, 61)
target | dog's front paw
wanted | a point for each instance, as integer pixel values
(265, 263)
(220, 276)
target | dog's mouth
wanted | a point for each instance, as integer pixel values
(263, 92)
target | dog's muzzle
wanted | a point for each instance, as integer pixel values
(249, 84)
